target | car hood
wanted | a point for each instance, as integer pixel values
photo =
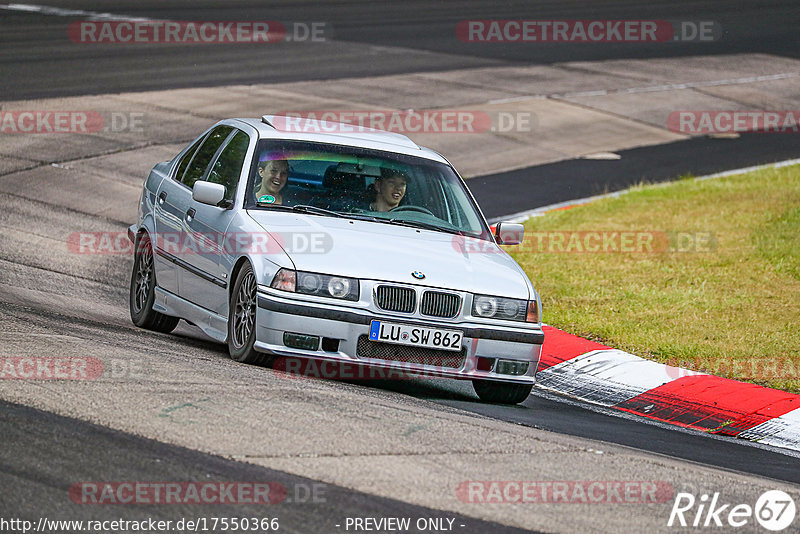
(378, 251)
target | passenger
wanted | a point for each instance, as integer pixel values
(389, 189)
(274, 175)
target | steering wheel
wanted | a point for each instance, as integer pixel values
(418, 209)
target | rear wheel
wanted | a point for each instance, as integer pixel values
(242, 319)
(501, 392)
(142, 292)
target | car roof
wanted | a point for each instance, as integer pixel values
(302, 129)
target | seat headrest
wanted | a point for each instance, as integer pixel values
(343, 180)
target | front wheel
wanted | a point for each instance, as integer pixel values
(142, 292)
(242, 319)
(501, 392)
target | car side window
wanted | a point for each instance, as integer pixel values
(228, 167)
(187, 157)
(202, 157)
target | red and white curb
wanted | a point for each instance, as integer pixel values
(595, 373)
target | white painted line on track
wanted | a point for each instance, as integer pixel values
(607, 156)
(61, 12)
(514, 99)
(653, 88)
(685, 85)
(523, 216)
(749, 169)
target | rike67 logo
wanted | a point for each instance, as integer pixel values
(774, 510)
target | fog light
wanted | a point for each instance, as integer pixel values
(485, 364)
(511, 367)
(330, 344)
(300, 341)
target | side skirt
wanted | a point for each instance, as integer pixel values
(209, 322)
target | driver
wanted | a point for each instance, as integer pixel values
(274, 175)
(389, 190)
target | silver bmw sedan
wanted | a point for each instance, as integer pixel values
(328, 242)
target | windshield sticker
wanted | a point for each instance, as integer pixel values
(266, 199)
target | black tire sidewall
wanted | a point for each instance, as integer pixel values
(246, 352)
(144, 316)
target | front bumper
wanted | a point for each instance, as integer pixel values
(343, 326)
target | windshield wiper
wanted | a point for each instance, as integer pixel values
(305, 208)
(427, 226)
(363, 217)
(271, 205)
(315, 210)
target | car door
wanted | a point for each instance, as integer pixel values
(177, 250)
(168, 220)
(206, 284)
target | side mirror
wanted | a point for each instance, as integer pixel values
(208, 192)
(508, 233)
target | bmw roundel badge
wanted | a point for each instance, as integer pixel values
(419, 275)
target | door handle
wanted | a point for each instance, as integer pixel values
(190, 213)
(162, 197)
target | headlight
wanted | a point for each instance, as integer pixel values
(503, 308)
(339, 287)
(321, 285)
(309, 283)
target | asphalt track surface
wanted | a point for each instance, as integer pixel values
(89, 452)
(572, 179)
(368, 38)
(42, 454)
(551, 412)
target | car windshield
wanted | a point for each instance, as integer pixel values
(333, 180)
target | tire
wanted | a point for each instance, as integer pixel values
(242, 320)
(501, 392)
(142, 291)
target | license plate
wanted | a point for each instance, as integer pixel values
(416, 336)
